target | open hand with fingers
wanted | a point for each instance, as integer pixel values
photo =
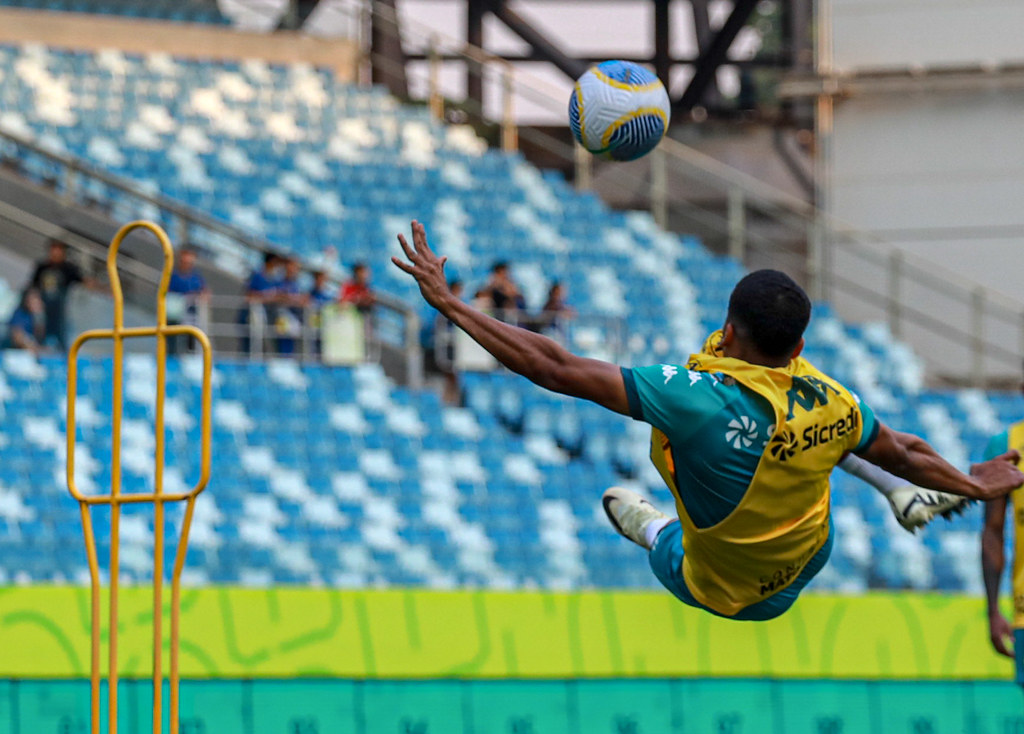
(426, 267)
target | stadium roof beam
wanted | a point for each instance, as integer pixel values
(758, 62)
(714, 56)
(662, 40)
(546, 48)
(703, 35)
(297, 14)
(388, 68)
(475, 10)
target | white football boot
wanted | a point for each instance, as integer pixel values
(915, 507)
(630, 514)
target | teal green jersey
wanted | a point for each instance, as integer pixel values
(997, 445)
(718, 430)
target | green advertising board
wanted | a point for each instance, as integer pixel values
(394, 634)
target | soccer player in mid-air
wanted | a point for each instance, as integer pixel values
(745, 435)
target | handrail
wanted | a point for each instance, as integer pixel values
(45, 228)
(184, 214)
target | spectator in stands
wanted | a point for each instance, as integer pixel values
(357, 291)
(27, 327)
(442, 352)
(52, 279)
(185, 292)
(320, 294)
(556, 312)
(504, 294)
(261, 298)
(292, 302)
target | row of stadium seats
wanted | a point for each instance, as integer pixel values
(334, 476)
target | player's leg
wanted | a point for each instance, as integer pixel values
(913, 506)
(635, 518)
(638, 520)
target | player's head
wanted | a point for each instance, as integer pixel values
(768, 313)
(361, 273)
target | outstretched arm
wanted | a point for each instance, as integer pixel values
(913, 459)
(535, 357)
(992, 562)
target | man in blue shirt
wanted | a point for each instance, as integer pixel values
(187, 289)
(292, 301)
(27, 327)
(261, 297)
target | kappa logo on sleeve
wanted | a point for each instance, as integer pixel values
(669, 371)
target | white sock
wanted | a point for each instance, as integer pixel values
(877, 477)
(653, 528)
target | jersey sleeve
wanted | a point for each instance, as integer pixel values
(998, 444)
(870, 425)
(660, 393)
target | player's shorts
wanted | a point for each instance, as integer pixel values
(666, 558)
(1018, 654)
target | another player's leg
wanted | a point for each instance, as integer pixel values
(913, 506)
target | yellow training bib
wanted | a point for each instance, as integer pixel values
(782, 520)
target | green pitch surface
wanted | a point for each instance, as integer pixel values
(535, 707)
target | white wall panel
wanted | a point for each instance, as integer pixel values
(879, 34)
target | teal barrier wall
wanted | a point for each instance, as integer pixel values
(535, 707)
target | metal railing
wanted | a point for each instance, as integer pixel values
(77, 182)
(242, 327)
(592, 335)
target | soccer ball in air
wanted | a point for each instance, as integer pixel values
(619, 110)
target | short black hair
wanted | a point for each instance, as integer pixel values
(499, 265)
(770, 310)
